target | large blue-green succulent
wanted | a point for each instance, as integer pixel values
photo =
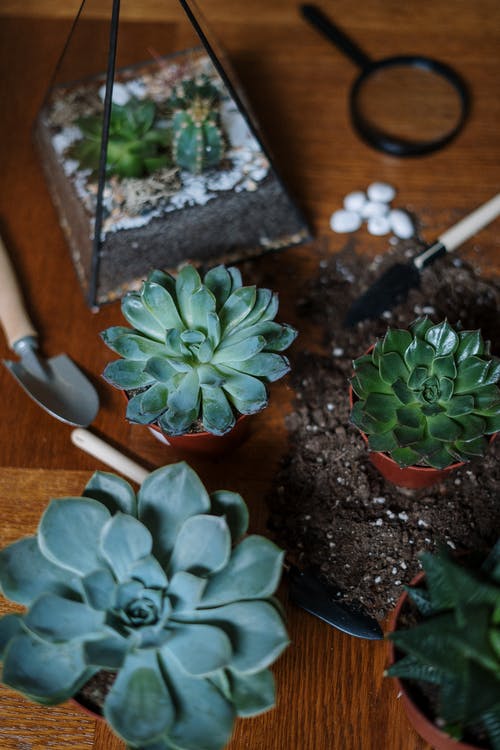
(200, 349)
(153, 588)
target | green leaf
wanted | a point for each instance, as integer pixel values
(236, 308)
(160, 369)
(487, 397)
(135, 411)
(246, 393)
(405, 456)
(57, 620)
(460, 405)
(271, 367)
(408, 436)
(410, 416)
(418, 377)
(233, 508)
(381, 406)
(48, 672)
(470, 343)
(140, 317)
(392, 368)
(213, 329)
(124, 541)
(127, 374)
(252, 693)
(217, 415)
(396, 340)
(10, 626)
(110, 335)
(69, 531)
(369, 378)
(139, 706)
(200, 649)
(472, 426)
(443, 338)
(204, 718)
(160, 303)
(472, 373)
(403, 393)
(187, 283)
(219, 282)
(106, 653)
(202, 546)
(240, 351)
(420, 326)
(265, 302)
(444, 367)
(154, 401)
(25, 573)
(253, 572)
(137, 347)
(112, 491)
(384, 442)
(185, 591)
(196, 307)
(471, 448)
(419, 354)
(186, 395)
(167, 497)
(443, 428)
(100, 587)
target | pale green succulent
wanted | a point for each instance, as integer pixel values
(150, 587)
(198, 350)
(455, 644)
(428, 395)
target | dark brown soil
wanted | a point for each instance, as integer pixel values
(330, 508)
(93, 693)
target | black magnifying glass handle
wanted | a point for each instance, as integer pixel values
(322, 23)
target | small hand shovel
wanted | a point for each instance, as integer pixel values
(56, 384)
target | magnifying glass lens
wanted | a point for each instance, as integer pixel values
(408, 103)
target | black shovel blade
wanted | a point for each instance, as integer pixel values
(309, 592)
(386, 292)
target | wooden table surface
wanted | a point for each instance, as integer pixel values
(331, 692)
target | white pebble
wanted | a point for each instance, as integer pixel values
(378, 225)
(374, 208)
(355, 201)
(381, 191)
(401, 224)
(120, 94)
(345, 221)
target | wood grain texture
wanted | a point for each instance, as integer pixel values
(331, 694)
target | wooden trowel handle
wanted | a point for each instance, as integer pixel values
(13, 316)
(471, 224)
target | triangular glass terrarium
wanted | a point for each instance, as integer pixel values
(151, 154)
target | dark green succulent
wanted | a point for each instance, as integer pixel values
(455, 644)
(158, 588)
(428, 395)
(136, 146)
(198, 350)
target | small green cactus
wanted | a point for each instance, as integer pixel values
(136, 147)
(197, 142)
(197, 350)
(157, 588)
(455, 644)
(428, 395)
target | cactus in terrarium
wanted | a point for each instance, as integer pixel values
(428, 395)
(159, 590)
(197, 350)
(136, 147)
(197, 140)
(455, 641)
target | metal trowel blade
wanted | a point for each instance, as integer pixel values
(59, 387)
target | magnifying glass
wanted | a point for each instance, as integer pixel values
(406, 105)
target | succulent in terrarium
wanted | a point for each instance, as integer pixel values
(428, 395)
(455, 643)
(197, 350)
(160, 590)
(197, 140)
(136, 146)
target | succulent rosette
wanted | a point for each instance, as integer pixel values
(428, 395)
(158, 588)
(197, 350)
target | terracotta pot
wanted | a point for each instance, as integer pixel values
(413, 477)
(422, 724)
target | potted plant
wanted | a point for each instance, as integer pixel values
(426, 399)
(156, 592)
(199, 354)
(446, 651)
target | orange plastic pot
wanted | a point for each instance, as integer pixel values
(422, 724)
(412, 477)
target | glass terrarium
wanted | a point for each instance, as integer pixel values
(151, 154)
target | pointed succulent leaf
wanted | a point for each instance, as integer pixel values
(56, 619)
(127, 374)
(263, 304)
(460, 405)
(200, 649)
(164, 279)
(443, 338)
(219, 282)
(25, 573)
(471, 426)
(384, 442)
(392, 367)
(100, 589)
(252, 693)
(217, 414)
(173, 422)
(233, 508)
(186, 497)
(471, 448)
(148, 571)
(419, 354)
(69, 531)
(106, 653)
(420, 326)
(160, 303)
(381, 406)
(444, 428)
(137, 314)
(239, 352)
(124, 541)
(186, 395)
(185, 591)
(160, 369)
(110, 335)
(197, 306)
(47, 672)
(369, 378)
(405, 394)
(444, 366)
(236, 308)
(470, 343)
(396, 340)
(139, 706)
(112, 491)
(202, 546)
(253, 572)
(187, 283)
(266, 365)
(135, 411)
(405, 456)
(136, 347)
(472, 373)
(246, 393)
(10, 626)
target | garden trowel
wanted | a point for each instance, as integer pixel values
(307, 588)
(56, 384)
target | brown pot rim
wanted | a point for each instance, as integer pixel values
(422, 724)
